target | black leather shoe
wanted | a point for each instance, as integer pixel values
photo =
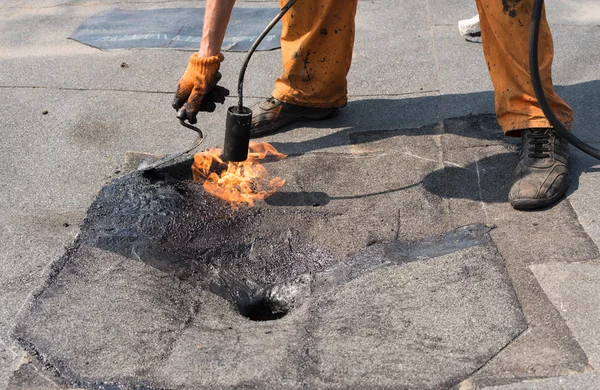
(272, 114)
(542, 172)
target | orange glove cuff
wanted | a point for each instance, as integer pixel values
(200, 77)
(203, 69)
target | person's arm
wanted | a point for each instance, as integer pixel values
(197, 89)
(216, 19)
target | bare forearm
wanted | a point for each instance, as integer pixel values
(216, 20)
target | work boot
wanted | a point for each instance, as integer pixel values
(542, 172)
(272, 114)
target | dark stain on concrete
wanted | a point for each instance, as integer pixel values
(90, 131)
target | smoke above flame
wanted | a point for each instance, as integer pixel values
(239, 183)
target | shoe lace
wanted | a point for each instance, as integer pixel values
(538, 146)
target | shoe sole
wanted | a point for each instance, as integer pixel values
(305, 116)
(535, 204)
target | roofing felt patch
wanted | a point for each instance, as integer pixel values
(167, 287)
(176, 28)
(357, 253)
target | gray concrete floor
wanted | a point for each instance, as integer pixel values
(55, 164)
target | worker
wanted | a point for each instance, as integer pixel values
(316, 47)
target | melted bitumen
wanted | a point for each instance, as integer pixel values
(248, 256)
(166, 220)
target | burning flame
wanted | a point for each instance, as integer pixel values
(238, 182)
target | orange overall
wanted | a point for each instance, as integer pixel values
(317, 41)
(316, 48)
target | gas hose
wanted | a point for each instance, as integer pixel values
(534, 70)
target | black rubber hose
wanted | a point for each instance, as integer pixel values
(534, 33)
(253, 49)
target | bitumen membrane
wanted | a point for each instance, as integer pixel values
(402, 165)
(367, 275)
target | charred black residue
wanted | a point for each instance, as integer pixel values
(166, 220)
(323, 32)
(509, 7)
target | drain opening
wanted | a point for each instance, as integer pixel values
(258, 303)
(262, 310)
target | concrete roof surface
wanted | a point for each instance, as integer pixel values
(414, 155)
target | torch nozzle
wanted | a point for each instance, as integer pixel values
(237, 134)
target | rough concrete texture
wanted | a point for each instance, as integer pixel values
(29, 375)
(584, 193)
(152, 328)
(310, 226)
(375, 332)
(574, 289)
(6, 360)
(84, 67)
(108, 297)
(574, 382)
(55, 164)
(477, 181)
(410, 312)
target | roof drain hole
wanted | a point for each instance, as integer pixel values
(275, 301)
(262, 310)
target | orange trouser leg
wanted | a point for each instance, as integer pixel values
(505, 33)
(316, 48)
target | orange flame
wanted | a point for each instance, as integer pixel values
(238, 182)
